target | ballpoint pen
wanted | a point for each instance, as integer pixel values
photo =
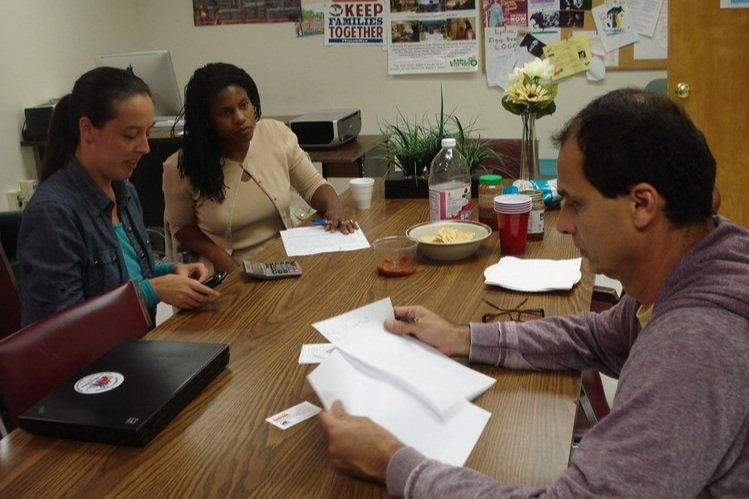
(322, 221)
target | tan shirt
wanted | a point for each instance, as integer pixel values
(253, 211)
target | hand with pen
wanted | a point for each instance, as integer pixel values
(326, 201)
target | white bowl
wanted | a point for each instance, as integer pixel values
(449, 251)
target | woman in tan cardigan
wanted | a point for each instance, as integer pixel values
(228, 190)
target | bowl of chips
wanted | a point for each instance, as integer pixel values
(449, 239)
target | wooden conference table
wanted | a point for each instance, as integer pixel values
(221, 446)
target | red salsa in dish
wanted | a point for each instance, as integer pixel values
(396, 267)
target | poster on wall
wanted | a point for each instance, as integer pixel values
(216, 12)
(355, 22)
(516, 32)
(432, 36)
(504, 13)
(312, 21)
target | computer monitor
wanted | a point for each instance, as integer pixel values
(156, 69)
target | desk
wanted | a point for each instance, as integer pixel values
(220, 444)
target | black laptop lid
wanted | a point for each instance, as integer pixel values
(129, 394)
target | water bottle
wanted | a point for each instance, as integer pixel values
(449, 184)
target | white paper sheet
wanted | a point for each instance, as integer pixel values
(365, 393)
(314, 240)
(437, 380)
(655, 47)
(645, 15)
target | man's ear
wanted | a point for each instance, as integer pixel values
(86, 129)
(647, 203)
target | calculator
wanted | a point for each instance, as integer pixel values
(277, 270)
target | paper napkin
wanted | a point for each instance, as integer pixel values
(534, 275)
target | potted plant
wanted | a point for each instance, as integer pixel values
(410, 146)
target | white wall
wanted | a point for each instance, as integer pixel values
(294, 75)
(47, 44)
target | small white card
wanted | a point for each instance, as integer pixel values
(314, 353)
(297, 414)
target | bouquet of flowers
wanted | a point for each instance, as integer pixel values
(527, 94)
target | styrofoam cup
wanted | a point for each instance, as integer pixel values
(361, 190)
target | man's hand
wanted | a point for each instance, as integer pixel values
(358, 445)
(430, 328)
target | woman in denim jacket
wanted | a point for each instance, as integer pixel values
(83, 232)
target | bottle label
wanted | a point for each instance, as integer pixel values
(450, 201)
(536, 222)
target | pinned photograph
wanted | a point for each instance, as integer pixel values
(575, 4)
(533, 45)
(572, 18)
(544, 19)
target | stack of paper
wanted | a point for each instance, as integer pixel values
(534, 275)
(412, 390)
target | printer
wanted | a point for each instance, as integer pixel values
(326, 129)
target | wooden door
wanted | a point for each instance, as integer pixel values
(708, 50)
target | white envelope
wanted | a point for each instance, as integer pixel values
(364, 392)
(437, 380)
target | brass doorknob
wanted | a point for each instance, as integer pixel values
(682, 90)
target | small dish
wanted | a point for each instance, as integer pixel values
(450, 250)
(395, 255)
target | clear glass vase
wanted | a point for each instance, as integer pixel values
(529, 167)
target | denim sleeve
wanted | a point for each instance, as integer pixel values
(52, 255)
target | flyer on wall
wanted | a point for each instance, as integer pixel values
(432, 36)
(355, 22)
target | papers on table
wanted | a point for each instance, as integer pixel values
(365, 392)
(414, 391)
(534, 275)
(312, 240)
(314, 353)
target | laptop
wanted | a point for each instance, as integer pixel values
(129, 394)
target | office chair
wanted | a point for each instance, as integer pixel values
(658, 86)
(507, 162)
(44, 354)
(10, 225)
(10, 303)
(593, 405)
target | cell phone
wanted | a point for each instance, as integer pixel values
(215, 279)
(277, 270)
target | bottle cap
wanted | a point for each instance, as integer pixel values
(448, 142)
(490, 179)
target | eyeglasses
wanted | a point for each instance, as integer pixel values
(517, 314)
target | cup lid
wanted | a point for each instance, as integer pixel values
(490, 179)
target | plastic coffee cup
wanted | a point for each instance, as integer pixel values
(361, 190)
(512, 219)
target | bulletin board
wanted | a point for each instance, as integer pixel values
(626, 54)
